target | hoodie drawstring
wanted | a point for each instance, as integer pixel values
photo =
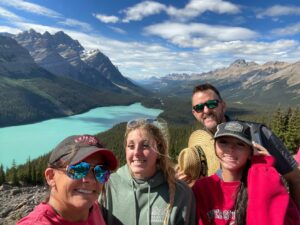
(134, 200)
(149, 211)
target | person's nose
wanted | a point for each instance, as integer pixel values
(137, 150)
(206, 109)
(231, 147)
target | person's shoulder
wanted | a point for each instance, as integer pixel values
(119, 179)
(206, 181)
(183, 194)
(181, 186)
(122, 172)
(39, 216)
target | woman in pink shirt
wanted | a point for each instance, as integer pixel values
(247, 190)
(77, 170)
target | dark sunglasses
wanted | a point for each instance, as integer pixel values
(82, 169)
(211, 104)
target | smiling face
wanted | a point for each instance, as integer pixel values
(233, 154)
(141, 153)
(210, 118)
(71, 198)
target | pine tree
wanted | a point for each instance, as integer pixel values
(34, 175)
(29, 171)
(2, 175)
(14, 178)
(292, 135)
(278, 124)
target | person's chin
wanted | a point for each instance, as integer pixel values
(210, 124)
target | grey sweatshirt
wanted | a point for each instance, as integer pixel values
(131, 202)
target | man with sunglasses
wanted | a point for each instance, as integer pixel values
(77, 170)
(209, 109)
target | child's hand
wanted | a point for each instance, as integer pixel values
(259, 149)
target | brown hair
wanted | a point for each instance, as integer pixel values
(205, 87)
(158, 130)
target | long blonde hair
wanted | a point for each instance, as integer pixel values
(159, 131)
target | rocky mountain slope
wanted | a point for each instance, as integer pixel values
(30, 93)
(63, 56)
(272, 83)
(17, 202)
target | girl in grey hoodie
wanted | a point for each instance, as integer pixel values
(145, 191)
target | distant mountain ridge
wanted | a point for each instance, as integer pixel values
(272, 83)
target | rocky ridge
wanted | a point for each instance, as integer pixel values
(17, 202)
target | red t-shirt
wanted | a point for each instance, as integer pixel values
(43, 214)
(268, 199)
(215, 200)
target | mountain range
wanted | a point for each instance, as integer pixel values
(273, 83)
(44, 76)
(47, 75)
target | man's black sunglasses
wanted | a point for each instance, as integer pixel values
(211, 104)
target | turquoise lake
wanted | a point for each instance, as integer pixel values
(21, 142)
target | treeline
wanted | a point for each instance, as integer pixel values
(284, 123)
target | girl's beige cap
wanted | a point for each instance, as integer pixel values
(205, 140)
(192, 162)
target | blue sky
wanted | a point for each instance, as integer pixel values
(155, 38)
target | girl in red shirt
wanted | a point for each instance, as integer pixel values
(247, 189)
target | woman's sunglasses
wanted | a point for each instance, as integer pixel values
(134, 122)
(211, 104)
(82, 169)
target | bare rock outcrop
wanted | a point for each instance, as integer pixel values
(17, 202)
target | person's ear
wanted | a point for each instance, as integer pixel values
(49, 175)
(195, 114)
(223, 106)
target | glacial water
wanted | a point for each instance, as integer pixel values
(21, 142)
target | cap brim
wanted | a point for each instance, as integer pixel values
(235, 136)
(109, 158)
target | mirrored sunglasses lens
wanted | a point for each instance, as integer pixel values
(101, 174)
(78, 171)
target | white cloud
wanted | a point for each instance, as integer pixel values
(106, 19)
(9, 15)
(198, 34)
(279, 10)
(10, 30)
(31, 7)
(196, 7)
(141, 10)
(75, 23)
(14, 18)
(193, 9)
(118, 30)
(287, 31)
(263, 51)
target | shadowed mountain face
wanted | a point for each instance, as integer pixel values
(63, 56)
(30, 93)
